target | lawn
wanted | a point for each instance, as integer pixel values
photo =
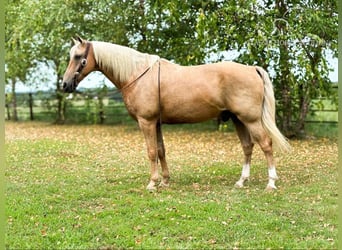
(82, 187)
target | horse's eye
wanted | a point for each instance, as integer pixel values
(77, 57)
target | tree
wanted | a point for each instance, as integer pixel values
(54, 24)
(17, 51)
(168, 28)
(48, 26)
(289, 39)
(320, 24)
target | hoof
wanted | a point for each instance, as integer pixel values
(238, 184)
(151, 187)
(163, 184)
(270, 188)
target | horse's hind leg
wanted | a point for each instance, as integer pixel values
(247, 146)
(260, 136)
(161, 155)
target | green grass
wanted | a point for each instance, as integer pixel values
(82, 187)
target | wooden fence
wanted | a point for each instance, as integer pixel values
(106, 107)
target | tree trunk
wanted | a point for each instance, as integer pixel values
(285, 72)
(14, 101)
(304, 103)
(101, 110)
(31, 106)
(7, 105)
(143, 22)
(60, 119)
(304, 92)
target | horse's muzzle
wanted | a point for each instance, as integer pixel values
(69, 87)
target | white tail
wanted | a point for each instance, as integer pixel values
(268, 113)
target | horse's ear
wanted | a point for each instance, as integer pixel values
(79, 39)
(74, 40)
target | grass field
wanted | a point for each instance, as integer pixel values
(82, 187)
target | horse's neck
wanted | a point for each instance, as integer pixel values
(119, 63)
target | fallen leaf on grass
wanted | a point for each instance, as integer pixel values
(212, 241)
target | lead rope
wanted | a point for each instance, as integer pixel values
(159, 123)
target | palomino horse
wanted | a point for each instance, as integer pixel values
(156, 91)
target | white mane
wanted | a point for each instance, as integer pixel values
(119, 61)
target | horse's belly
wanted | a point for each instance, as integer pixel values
(184, 114)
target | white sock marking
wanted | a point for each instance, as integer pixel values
(244, 175)
(272, 174)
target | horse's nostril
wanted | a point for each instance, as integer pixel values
(66, 87)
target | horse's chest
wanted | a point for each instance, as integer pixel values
(146, 107)
(130, 106)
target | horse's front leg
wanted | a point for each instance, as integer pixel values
(149, 130)
(161, 154)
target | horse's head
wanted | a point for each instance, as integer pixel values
(81, 63)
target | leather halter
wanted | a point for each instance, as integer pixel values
(84, 59)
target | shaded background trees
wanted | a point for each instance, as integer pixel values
(290, 39)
